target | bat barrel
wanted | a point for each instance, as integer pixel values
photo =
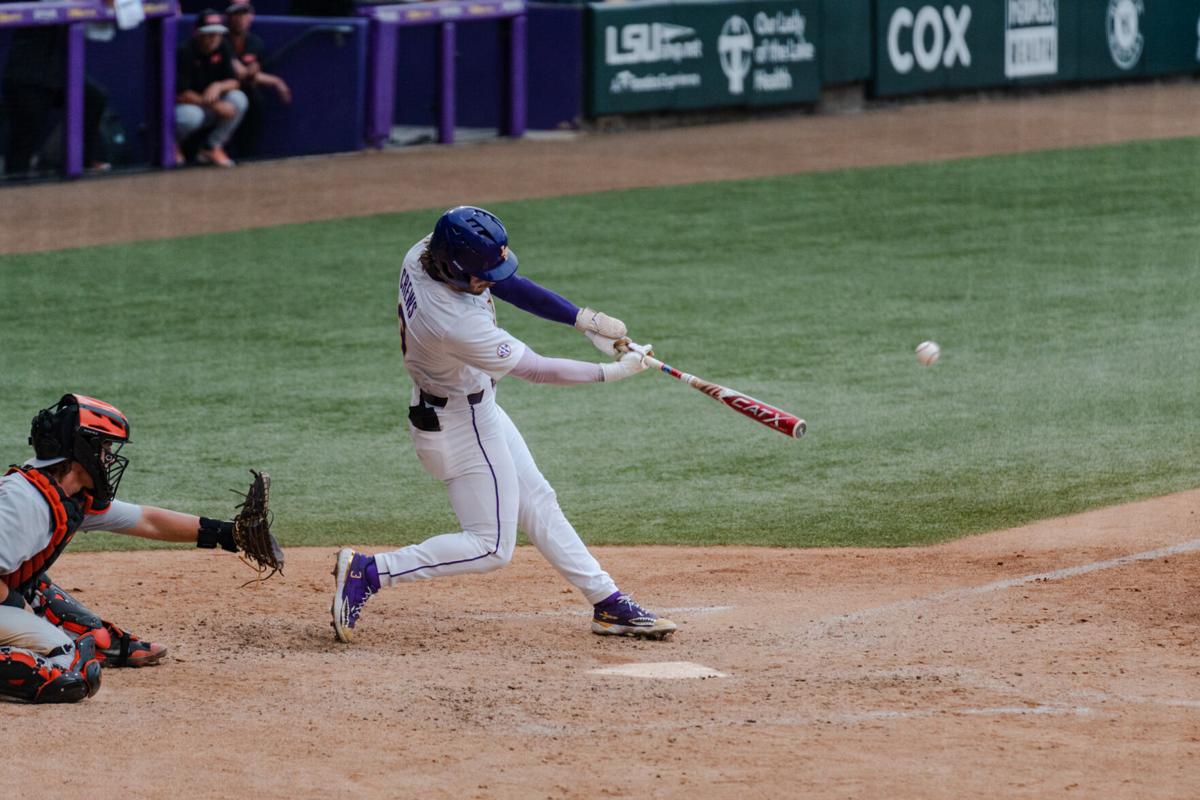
(763, 413)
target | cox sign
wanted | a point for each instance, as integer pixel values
(930, 39)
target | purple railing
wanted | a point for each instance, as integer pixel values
(386, 20)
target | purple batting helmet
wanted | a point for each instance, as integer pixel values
(471, 242)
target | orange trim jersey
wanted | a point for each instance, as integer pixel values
(66, 515)
(37, 522)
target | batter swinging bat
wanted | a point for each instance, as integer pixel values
(760, 412)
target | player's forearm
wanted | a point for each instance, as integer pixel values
(166, 525)
(535, 299)
(559, 371)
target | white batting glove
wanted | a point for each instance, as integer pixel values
(588, 319)
(630, 363)
(610, 347)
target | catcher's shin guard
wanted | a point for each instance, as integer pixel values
(115, 647)
(31, 678)
(61, 609)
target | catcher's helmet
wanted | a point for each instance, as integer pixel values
(468, 241)
(86, 430)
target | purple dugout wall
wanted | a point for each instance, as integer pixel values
(554, 71)
(324, 61)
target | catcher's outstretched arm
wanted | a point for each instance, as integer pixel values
(165, 525)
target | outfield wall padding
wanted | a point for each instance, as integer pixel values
(924, 46)
(688, 54)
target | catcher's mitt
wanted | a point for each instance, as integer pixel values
(252, 529)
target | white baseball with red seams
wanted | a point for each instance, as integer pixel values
(928, 353)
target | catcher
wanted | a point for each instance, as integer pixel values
(52, 648)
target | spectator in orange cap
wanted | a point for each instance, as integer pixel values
(209, 94)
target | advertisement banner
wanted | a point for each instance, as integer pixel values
(922, 46)
(658, 56)
(1138, 38)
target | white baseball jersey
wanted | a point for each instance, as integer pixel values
(452, 345)
(454, 349)
(25, 521)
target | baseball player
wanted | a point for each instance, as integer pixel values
(51, 646)
(455, 353)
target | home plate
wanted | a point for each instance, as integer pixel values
(660, 669)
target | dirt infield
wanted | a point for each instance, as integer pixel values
(1054, 660)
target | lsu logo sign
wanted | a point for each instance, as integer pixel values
(929, 39)
(650, 43)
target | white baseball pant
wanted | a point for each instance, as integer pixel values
(495, 489)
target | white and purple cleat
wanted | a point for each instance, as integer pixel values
(619, 615)
(355, 579)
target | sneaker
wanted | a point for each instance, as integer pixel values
(619, 615)
(215, 156)
(355, 580)
(123, 650)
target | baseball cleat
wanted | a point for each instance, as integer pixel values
(351, 589)
(124, 650)
(619, 615)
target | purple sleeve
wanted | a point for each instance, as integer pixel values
(540, 301)
(560, 371)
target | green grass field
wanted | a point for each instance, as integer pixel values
(1064, 288)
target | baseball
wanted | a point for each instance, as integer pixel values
(928, 352)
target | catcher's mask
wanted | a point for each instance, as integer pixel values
(86, 430)
(468, 241)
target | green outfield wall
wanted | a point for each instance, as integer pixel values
(929, 47)
(662, 55)
(846, 54)
(696, 54)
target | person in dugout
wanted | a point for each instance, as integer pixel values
(209, 100)
(250, 53)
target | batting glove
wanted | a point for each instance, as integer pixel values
(588, 319)
(630, 363)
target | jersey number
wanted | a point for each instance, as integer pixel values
(403, 330)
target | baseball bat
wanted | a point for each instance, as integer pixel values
(762, 413)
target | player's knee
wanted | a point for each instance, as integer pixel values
(34, 678)
(541, 495)
(498, 545)
(504, 552)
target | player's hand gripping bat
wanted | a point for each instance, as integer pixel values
(762, 413)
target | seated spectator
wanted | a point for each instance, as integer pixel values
(34, 85)
(208, 98)
(250, 52)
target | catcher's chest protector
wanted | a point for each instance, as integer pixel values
(66, 515)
